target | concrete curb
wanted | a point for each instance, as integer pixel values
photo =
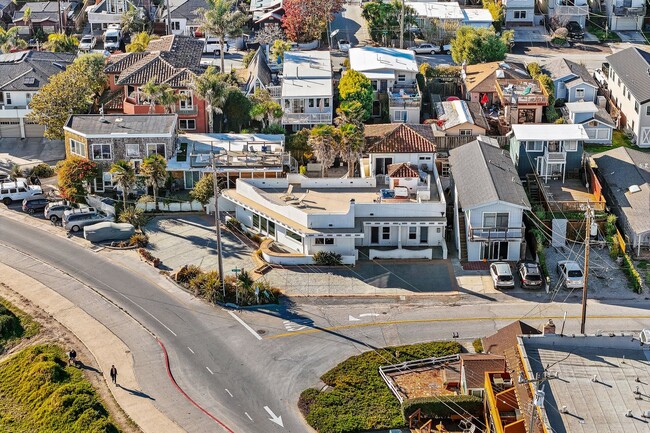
(102, 344)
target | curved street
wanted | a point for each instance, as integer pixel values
(248, 368)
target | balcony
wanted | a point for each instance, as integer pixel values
(627, 11)
(13, 107)
(495, 233)
(275, 91)
(571, 11)
(554, 157)
(306, 118)
(187, 110)
(404, 96)
(521, 92)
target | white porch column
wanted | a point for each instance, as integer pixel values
(399, 237)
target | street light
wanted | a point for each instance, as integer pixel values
(217, 224)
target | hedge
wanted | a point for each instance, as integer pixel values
(443, 406)
(357, 398)
(632, 274)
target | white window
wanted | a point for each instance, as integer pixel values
(401, 78)
(385, 233)
(77, 148)
(293, 235)
(326, 102)
(107, 179)
(102, 152)
(400, 116)
(534, 146)
(188, 102)
(520, 15)
(324, 241)
(445, 168)
(187, 124)
(374, 85)
(28, 97)
(132, 150)
(570, 146)
(465, 132)
(580, 93)
(310, 103)
(176, 25)
(647, 110)
(7, 98)
(495, 219)
(157, 148)
(636, 106)
(413, 233)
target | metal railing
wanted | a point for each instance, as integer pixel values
(515, 95)
(275, 91)
(187, 110)
(555, 156)
(306, 118)
(405, 101)
(495, 233)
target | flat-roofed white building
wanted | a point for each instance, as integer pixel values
(307, 94)
(393, 73)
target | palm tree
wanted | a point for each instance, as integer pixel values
(154, 170)
(140, 42)
(213, 89)
(350, 112)
(61, 43)
(168, 98)
(351, 145)
(27, 19)
(10, 40)
(323, 139)
(124, 176)
(151, 90)
(264, 108)
(132, 20)
(220, 19)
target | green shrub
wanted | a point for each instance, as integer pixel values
(327, 258)
(246, 58)
(632, 274)
(9, 324)
(478, 345)
(358, 398)
(234, 225)
(443, 406)
(534, 69)
(303, 170)
(43, 170)
(206, 285)
(145, 199)
(187, 274)
(614, 248)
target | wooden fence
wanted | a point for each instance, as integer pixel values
(621, 242)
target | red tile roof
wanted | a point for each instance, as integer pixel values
(399, 138)
(403, 170)
(506, 337)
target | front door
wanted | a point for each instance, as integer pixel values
(424, 235)
(374, 235)
(494, 251)
(382, 165)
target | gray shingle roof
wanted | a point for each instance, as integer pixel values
(188, 10)
(30, 70)
(621, 168)
(259, 68)
(41, 11)
(92, 124)
(631, 65)
(560, 68)
(484, 173)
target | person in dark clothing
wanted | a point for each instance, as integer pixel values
(114, 374)
(72, 357)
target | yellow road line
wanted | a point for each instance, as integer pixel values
(440, 320)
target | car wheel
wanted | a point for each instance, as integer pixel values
(432, 52)
(30, 211)
(7, 201)
(54, 218)
(448, 52)
(75, 229)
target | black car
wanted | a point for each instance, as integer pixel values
(575, 30)
(34, 204)
(530, 275)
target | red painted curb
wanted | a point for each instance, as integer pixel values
(171, 377)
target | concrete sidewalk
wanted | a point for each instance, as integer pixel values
(104, 346)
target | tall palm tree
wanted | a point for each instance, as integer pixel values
(10, 40)
(61, 43)
(323, 140)
(351, 145)
(220, 19)
(154, 170)
(27, 19)
(124, 176)
(213, 89)
(151, 90)
(168, 98)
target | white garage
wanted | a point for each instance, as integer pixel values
(9, 128)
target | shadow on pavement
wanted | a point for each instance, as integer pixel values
(136, 393)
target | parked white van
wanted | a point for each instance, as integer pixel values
(112, 38)
(17, 191)
(213, 46)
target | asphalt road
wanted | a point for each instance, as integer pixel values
(242, 367)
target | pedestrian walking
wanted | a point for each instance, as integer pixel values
(72, 357)
(114, 374)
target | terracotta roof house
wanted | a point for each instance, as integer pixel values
(506, 338)
(173, 60)
(479, 81)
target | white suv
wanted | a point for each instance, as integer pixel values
(570, 274)
(17, 191)
(501, 275)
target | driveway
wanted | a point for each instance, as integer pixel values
(631, 36)
(530, 35)
(29, 152)
(190, 240)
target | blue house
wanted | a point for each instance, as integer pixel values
(550, 150)
(596, 120)
(573, 82)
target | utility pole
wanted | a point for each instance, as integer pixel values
(401, 27)
(586, 270)
(169, 18)
(217, 225)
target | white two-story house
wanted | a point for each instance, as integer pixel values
(307, 95)
(519, 12)
(22, 75)
(625, 14)
(106, 12)
(629, 84)
(393, 75)
(489, 202)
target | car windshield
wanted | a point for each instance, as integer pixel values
(86, 39)
(575, 274)
(111, 38)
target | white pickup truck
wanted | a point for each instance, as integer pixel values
(213, 46)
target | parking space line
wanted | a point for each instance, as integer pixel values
(245, 325)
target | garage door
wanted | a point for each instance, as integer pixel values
(627, 23)
(9, 128)
(34, 130)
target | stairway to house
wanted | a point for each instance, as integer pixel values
(463, 237)
(533, 188)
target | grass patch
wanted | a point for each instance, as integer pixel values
(618, 139)
(40, 393)
(599, 32)
(358, 399)
(14, 324)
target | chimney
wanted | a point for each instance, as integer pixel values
(549, 328)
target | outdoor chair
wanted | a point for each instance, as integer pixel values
(289, 194)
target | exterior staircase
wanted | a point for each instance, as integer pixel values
(462, 254)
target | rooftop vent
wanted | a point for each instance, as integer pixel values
(634, 188)
(28, 81)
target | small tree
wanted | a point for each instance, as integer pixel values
(354, 86)
(212, 87)
(278, 49)
(220, 19)
(350, 112)
(133, 21)
(124, 176)
(236, 110)
(351, 144)
(132, 215)
(203, 190)
(140, 42)
(10, 39)
(534, 69)
(61, 43)
(324, 139)
(154, 170)
(74, 174)
(268, 34)
(476, 45)
(264, 108)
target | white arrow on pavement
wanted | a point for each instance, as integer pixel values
(353, 319)
(369, 315)
(274, 418)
